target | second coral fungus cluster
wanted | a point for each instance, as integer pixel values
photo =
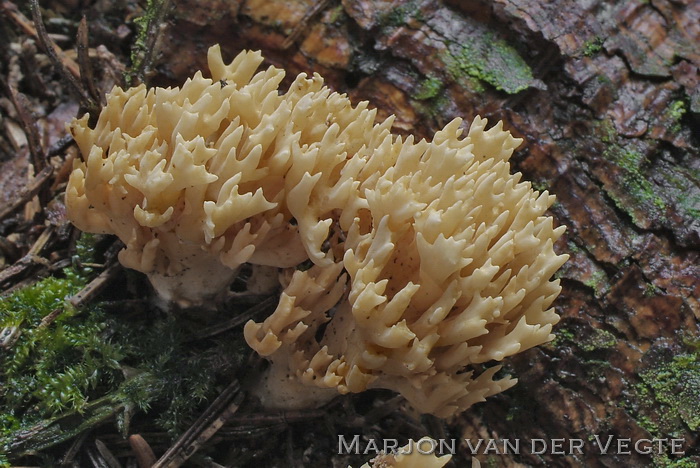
(429, 259)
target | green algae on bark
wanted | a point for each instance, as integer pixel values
(490, 60)
(674, 383)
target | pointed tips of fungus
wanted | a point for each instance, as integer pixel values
(239, 71)
(416, 454)
(420, 259)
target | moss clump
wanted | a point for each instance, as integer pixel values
(590, 339)
(639, 185)
(63, 376)
(679, 184)
(651, 290)
(562, 336)
(666, 401)
(573, 247)
(185, 376)
(139, 49)
(608, 134)
(663, 461)
(54, 356)
(429, 88)
(674, 180)
(592, 46)
(675, 385)
(634, 183)
(31, 438)
(598, 281)
(599, 339)
(433, 107)
(677, 110)
(401, 14)
(675, 113)
(50, 364)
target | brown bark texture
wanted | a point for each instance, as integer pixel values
(606, 96)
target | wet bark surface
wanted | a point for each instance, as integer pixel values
(606, 96)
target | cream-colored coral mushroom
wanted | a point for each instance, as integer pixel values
(201, 179)
(449, 258)
(415, 454)
(429, 260)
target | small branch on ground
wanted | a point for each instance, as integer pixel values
(215, 416)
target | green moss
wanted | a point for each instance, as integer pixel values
(608, 134)
(337, 15)
(663, 461)
(640, 187)
(598, 281)
(675, 113)
(185, 378)
(677, 110)
(647, 423)
(432, 108)
(85, 248)
(491, 60)
(600, 339)
(634, 182)
(562, 336)
(650, 290)
(592, 46)
(428, 88)
(42, 434)
(573, 247)
(674, 179)
(51, 368)
(61, 378)
(689, 204)
(678, 180)
(139, 46)
(401, 14)
(692, 342)
(677, 384)
(590, 340)
(54, 356)
(668, 397)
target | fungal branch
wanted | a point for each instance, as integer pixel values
(429, 260)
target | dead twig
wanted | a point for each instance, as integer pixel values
(86, 75)
(106, 455)
(303, 23)
(50, 318)
(95, 286)
(152, 34)
(215, 416)
(41, 241)
(282, 417)
(26, 26)
(31, 258)
(60, 63)
(266, 305)
(28, 125)
(74, 448)
(28, 192)
(86, 294)
(60, 146)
